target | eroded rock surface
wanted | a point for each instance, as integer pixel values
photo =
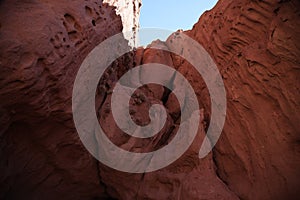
(188, 177)
(42, 45)
(255, 45)
(129, 10)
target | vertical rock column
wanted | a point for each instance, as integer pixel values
(129, 10)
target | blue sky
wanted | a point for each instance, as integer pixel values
(170, 15)
(173, 14)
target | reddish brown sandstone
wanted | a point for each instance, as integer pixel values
(42, 45)
(255, 45)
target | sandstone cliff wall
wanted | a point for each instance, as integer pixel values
(42, 45)
(255, 45)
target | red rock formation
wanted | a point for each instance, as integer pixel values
(188, 177)
(42, 45)
(256, 48)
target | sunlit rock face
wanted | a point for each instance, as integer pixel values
(256, 47)
(129, 10)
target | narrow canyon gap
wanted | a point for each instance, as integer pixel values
(255, 45)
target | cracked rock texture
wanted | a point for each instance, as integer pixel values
(255, 45)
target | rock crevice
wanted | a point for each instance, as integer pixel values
(255, 45)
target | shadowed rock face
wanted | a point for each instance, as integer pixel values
(255, 45)
(42, 45)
